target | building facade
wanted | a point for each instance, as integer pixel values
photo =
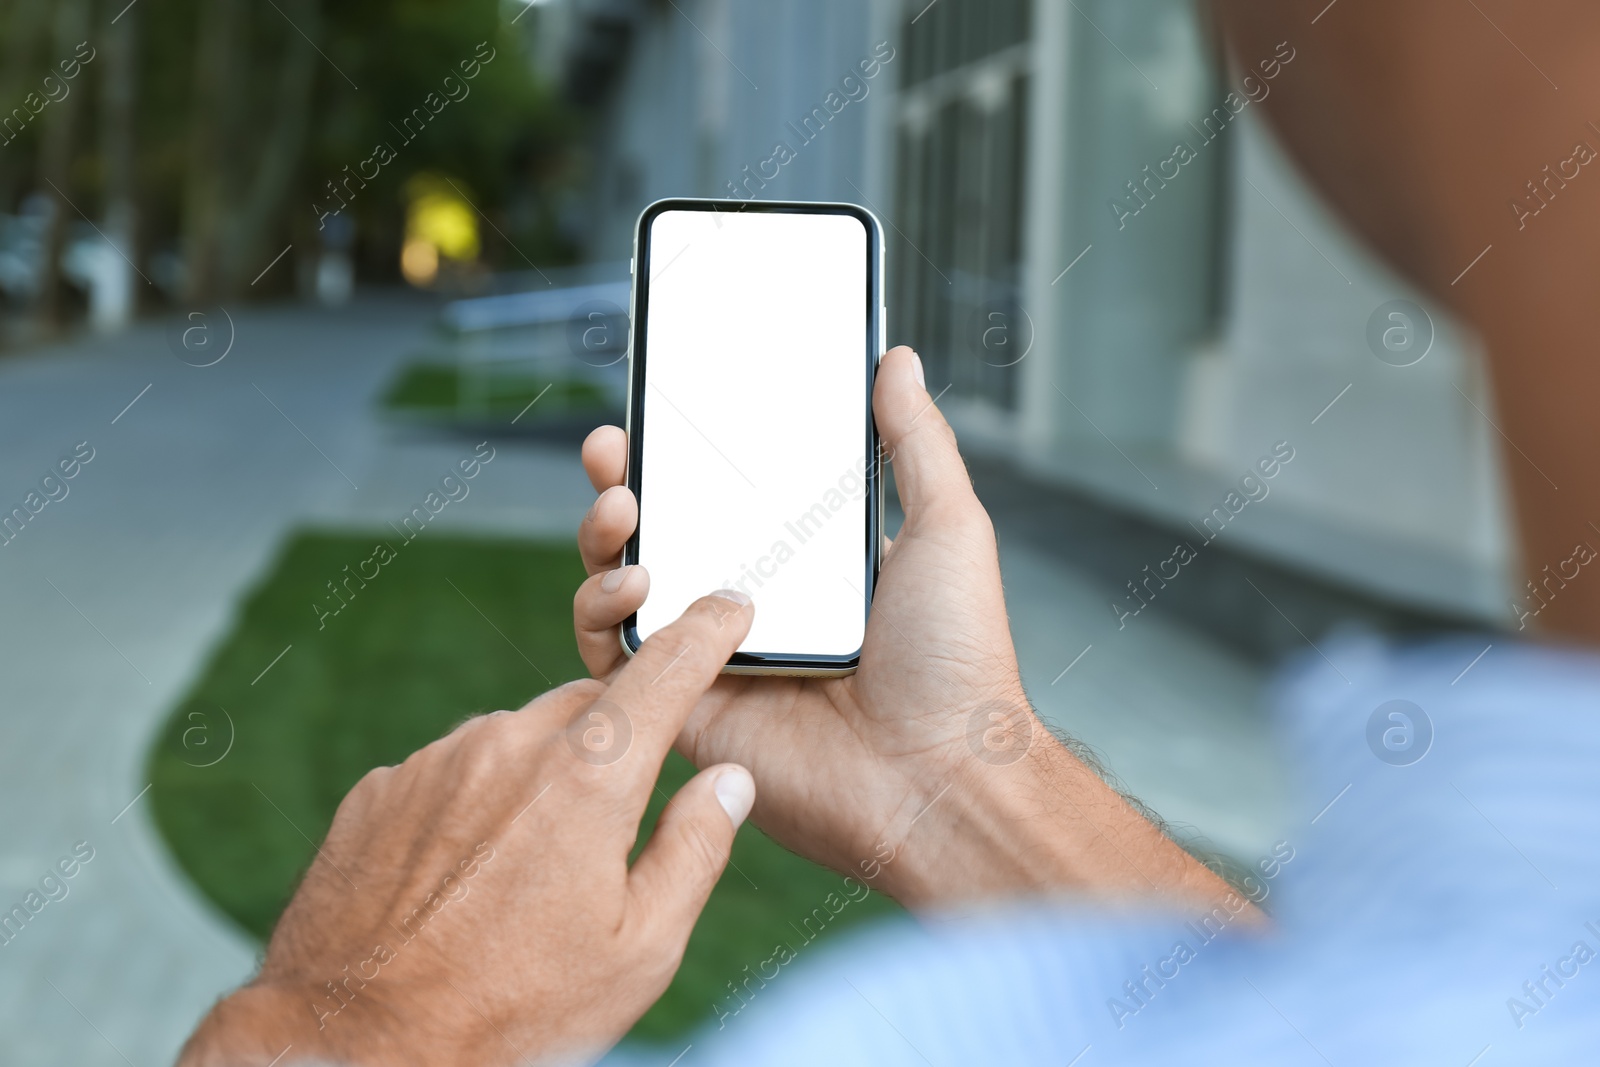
(1106, 262)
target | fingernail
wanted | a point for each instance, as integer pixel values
(588, 516)
(916, 369)
(614, 579)
(733, 595)
(736, 792)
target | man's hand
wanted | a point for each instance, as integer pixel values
(475, 904)
(926, 772)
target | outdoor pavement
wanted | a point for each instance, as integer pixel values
(114, 596)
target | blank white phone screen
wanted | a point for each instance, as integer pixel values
(754, 442)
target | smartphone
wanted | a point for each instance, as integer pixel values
(757, 331)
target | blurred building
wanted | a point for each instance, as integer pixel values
(1099, 251)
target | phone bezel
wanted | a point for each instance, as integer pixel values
(638, 345)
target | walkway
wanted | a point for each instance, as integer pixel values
(114, 596)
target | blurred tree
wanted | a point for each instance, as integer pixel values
(59, 133)
(213, 129)
(500, 142)
(27, 25)
(238, 184)
(209, 134)
(264, 196)
(119, 92)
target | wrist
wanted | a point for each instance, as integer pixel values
(282, 1023)
(1014, 812)
(980, 828)
(253, 1024)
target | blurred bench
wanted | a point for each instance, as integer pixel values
(562, 326)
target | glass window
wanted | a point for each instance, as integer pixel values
(955, 251)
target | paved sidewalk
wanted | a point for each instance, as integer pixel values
(1178, 719)
(116, 595)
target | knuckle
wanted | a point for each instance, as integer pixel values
(367, 792)
(478, 762)
(589, 539)
(470, 724)
(976, 523)
(571, 694)
(583, 601)
(610, 513)
(373, 781)
(600, 733)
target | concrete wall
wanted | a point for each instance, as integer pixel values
(711, 88)
(1396, 490)
(1191, 337)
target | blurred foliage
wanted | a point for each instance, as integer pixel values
(405, 661)
(439, 388)
(243, 112)
(505, 144)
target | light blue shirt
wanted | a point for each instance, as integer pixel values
(1441, 911)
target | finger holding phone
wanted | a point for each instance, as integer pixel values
(878, 700)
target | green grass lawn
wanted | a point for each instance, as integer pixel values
(407, 659)
(439, 389)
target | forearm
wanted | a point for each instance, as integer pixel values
(1046, 823)
(269, 1023)
(420, 1018)
(256, 1024)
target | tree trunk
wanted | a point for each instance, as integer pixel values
(27, 26)
(115, 305)
(246, 250)
(60, 122)
(211, 157)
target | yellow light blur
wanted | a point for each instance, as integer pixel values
(440, 225)
(419, 262)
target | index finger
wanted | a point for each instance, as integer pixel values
(652, 696)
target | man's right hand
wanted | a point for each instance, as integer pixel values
(926, 772)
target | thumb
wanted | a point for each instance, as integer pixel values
(683, 859)
(928, 471)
